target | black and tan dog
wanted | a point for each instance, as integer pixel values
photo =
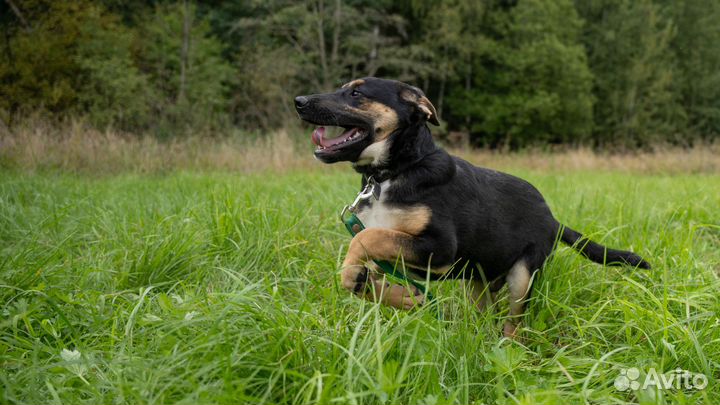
(439, 212)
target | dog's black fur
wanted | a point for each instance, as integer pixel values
(480, 219)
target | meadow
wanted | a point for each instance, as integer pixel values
(218, 285)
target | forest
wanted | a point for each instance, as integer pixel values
(504, 73)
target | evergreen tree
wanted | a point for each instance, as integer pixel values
(628, 46)
(532, 82)
(696, 47)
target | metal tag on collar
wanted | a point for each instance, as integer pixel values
(371, 189)
(375, 187)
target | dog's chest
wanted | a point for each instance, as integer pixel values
(382, 214)
(378, 213)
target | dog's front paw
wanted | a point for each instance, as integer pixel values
(354, 278)
(400, 296)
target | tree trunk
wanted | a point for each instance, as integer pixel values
(372, 65)
(320, 15)
(8, 49)
(443, 79)
(337, 23)
(468, 87)
(441, 95)
(184, 51)
(19, 15)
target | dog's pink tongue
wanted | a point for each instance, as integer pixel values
(317, 136)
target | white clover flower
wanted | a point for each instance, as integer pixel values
(70, 355)
(75, 366)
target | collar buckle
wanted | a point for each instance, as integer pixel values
(371, 190)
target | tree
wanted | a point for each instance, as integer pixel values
(628, 47)
(312, 46)
(183, 61)
(37, 69)
(113, 92)
(696, 47)
(452, 37)
(530, 74)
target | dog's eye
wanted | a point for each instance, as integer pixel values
(355, 93)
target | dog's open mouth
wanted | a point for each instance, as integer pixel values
(348, 136)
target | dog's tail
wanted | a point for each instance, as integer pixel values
(599, 253)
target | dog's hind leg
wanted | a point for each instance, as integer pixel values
(518, 281)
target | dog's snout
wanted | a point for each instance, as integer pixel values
(301, 101)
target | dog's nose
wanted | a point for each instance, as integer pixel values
(301, 101)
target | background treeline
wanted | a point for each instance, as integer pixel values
(512, 73)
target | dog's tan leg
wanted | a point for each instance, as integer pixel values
(379, 244)
(394, 295)
(479, 294)
(518, 280)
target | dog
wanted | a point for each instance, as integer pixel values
(437, 212)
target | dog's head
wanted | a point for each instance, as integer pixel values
(369, 112)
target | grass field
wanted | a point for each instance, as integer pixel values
(214, 287)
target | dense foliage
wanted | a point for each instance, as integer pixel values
(598, 72)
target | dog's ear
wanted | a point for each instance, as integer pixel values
(429, 110)
(353, 83)
(415, 96)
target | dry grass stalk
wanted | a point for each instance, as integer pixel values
(76, 148)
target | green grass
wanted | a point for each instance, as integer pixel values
(221, 288)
